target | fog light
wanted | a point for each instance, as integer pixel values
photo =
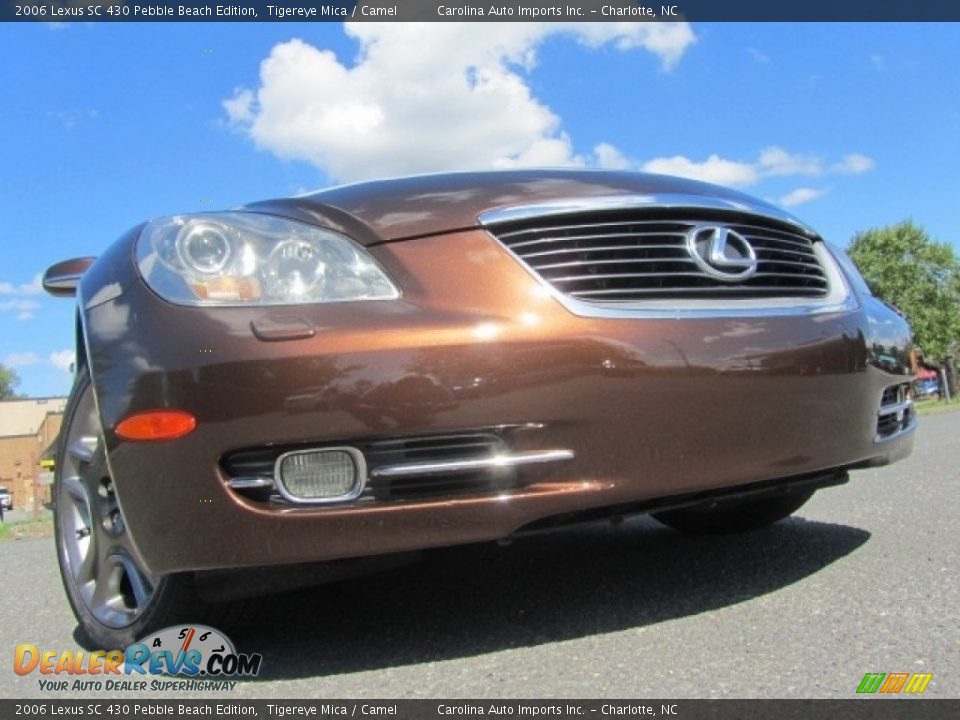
(321, 476)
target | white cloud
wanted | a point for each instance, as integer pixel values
(877, 61)
(853, 164)
(426, 97)
(772, 162)
(758, 56)
(70, 119)
(19, 305)
(608, 157)
(21, 359)
(63, 359)
(34, 287)
(240, 106)
(777, 161)
(801, 196)
(714, 169)
(19, 301)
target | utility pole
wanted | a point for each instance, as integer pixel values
(950, 387)
(36, 486)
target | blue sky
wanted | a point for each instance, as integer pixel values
(104, 125)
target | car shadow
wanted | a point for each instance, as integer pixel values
(478, 599)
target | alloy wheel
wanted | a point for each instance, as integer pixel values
(97, 556)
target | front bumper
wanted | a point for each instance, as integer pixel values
(649, 408)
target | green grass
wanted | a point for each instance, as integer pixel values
(932, 407)
(26, 528)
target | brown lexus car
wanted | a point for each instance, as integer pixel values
(391, 366)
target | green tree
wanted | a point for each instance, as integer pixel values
(8, 383)
(905, 267)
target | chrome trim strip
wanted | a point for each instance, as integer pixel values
(355, 491)
(250, 483)
(566, 206)
(487, 463)
(63, 282)
(896, 408)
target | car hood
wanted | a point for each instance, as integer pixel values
(401, 208)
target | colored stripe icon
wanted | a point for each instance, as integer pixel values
(894, 683)
(918, 682)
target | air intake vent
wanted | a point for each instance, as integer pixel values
(416, 468)
(625, 256)
(450, 451)
(896, 411)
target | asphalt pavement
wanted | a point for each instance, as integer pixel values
(864, 579)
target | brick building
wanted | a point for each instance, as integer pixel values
(27, 429)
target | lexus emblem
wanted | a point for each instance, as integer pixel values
(721, 252)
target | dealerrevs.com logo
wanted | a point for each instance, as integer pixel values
(191, 657)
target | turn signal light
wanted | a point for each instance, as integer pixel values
(157, 425)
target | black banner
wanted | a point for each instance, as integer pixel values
(474, 10)
(863, 709)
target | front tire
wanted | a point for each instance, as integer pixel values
(114, 596)
(741, 516)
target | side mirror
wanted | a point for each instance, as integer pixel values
(61, 280)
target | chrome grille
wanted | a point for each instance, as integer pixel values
(622, 256)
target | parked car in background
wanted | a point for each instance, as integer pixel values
(926, 388)
(6, 499)
(405, 364)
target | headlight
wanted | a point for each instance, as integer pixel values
(251, 259)
(850, 269)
